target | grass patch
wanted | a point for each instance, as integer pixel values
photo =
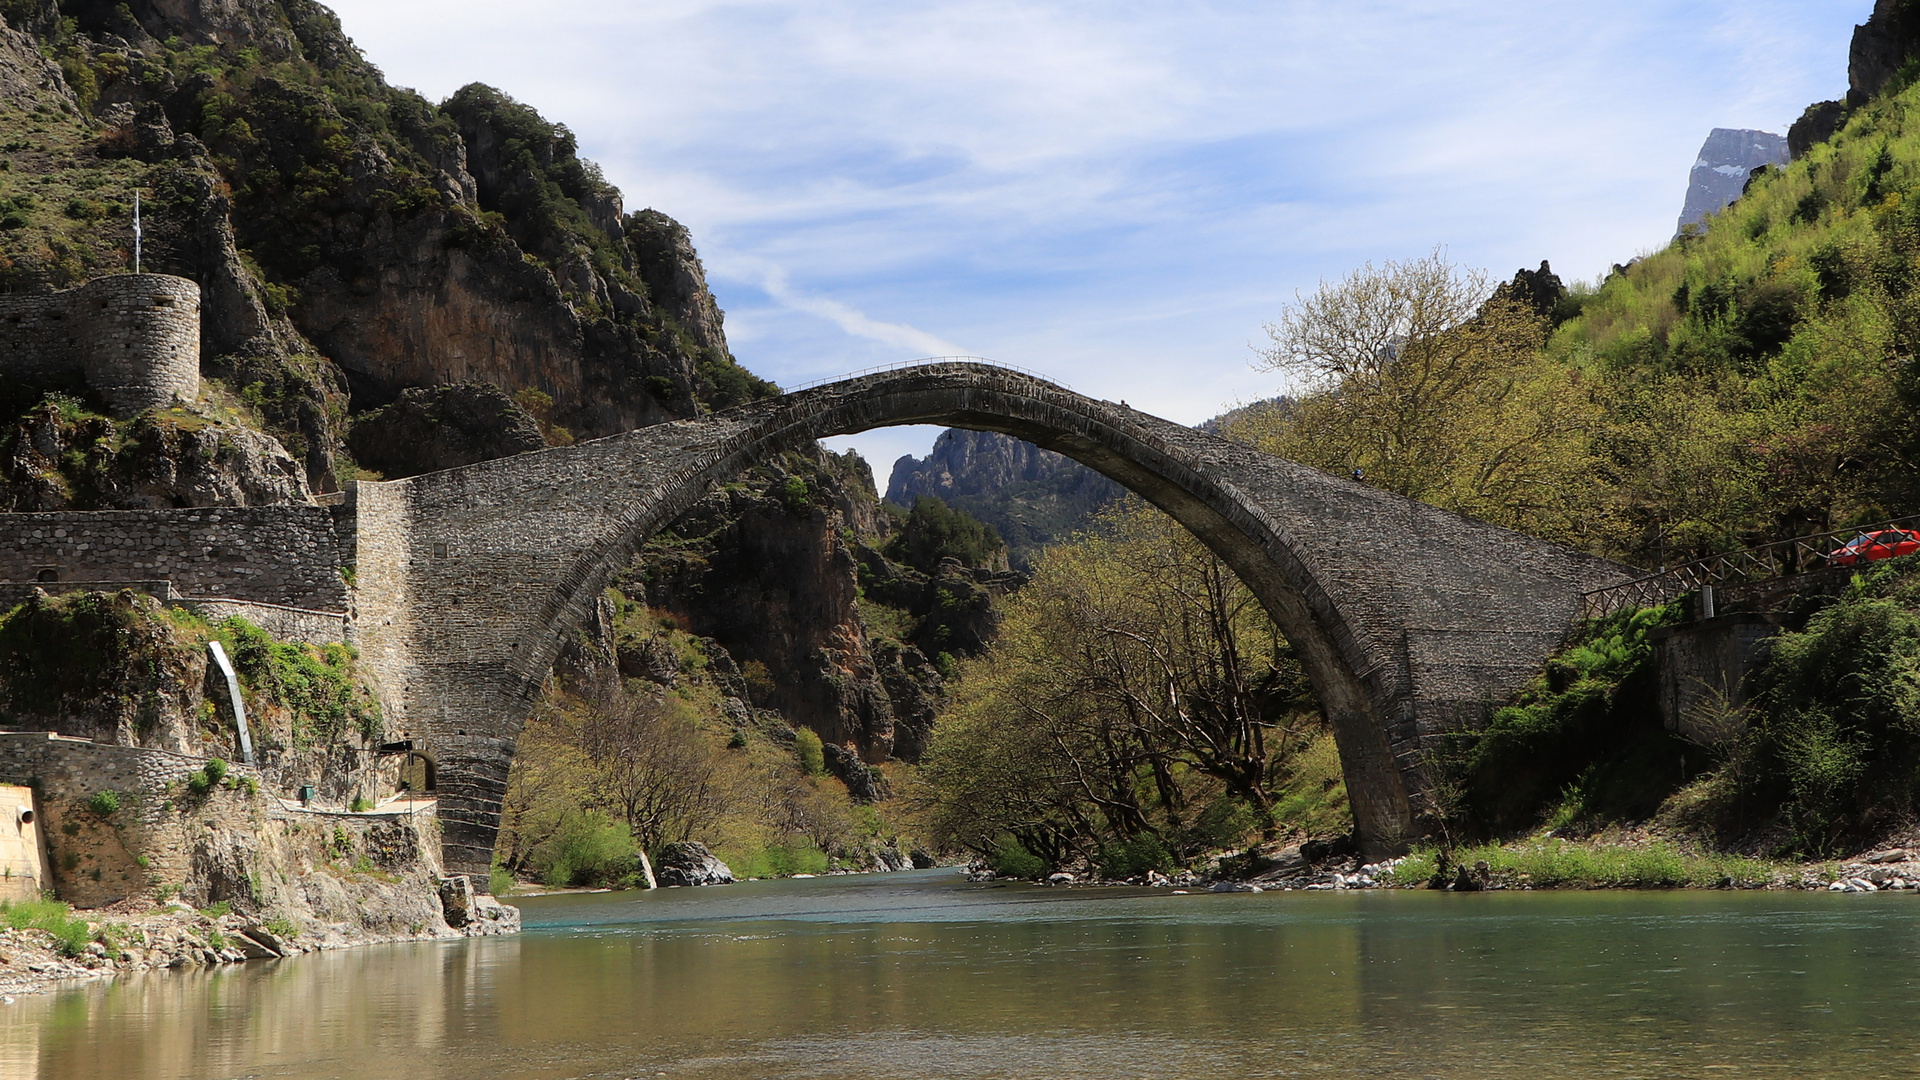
(1560, 864)
(775, 860)
(70, 935)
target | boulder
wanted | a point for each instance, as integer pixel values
(690, 863)
(456, 900)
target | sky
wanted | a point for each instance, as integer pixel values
(1118, 195)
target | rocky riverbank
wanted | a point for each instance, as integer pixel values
(145, 935)
(1633, 860)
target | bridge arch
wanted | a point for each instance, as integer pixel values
(1409, 620)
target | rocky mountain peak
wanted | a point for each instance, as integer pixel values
(1727, 159)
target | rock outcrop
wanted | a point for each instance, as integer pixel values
(443, 427)
(1720, 173)
(1880, 48)
(56, 458)
(1031, 497)
(768, 569)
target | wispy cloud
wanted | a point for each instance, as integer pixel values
(1120, 192)
(774, 280)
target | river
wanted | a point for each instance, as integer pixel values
(922, 975)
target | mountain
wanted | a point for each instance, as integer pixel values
(1727, 159)
(1031, 497)
(351, 239)
(391, 285)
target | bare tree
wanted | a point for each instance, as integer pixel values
(650, 765)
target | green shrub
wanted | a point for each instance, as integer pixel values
(282, 927)
(318, 684)
(588, 849)
(1834, 741)
(812, 753)
(1588, 730)
(934, 531)
(104, 804)
(499, 881)
(361, 804)
(797, 494)
(775, 860)
(1009, 859)
(1560, 864)
(1133, 858)
(215, 911)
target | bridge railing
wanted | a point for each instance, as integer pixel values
(902, 364)
(1780, 559)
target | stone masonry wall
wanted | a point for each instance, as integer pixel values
(268, 554)
(1703, 668)
(284, 623)
(135, 338)
(247, 847)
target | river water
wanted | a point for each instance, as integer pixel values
(922, 975)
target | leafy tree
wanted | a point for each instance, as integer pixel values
(1431, 382)
(934, 531)
(1135, 684)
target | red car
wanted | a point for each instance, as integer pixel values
(1882, 544)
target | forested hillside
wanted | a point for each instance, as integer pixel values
(1754, 380)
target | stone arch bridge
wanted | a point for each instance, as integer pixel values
(1409, 620)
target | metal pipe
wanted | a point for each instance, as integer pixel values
(233, 694)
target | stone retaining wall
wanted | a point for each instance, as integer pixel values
(285, 623)
(287, 555)
(135, 338)
(1703, 668)
(249, 847)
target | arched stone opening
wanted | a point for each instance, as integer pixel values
(1409, 620)
(418, 774)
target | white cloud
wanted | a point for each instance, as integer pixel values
(1119, 192)
(774, 280)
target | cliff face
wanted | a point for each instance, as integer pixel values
(1032, 497)
(1881, 46)
(1720, 173)
(346, 234)
(443, 427)
(767, 567)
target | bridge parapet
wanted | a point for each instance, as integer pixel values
(1813, 560)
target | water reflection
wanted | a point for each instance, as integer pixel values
(923, 976)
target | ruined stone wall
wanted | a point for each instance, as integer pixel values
(135, 338)
(287, 555)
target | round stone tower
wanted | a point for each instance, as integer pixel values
(139, 340)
